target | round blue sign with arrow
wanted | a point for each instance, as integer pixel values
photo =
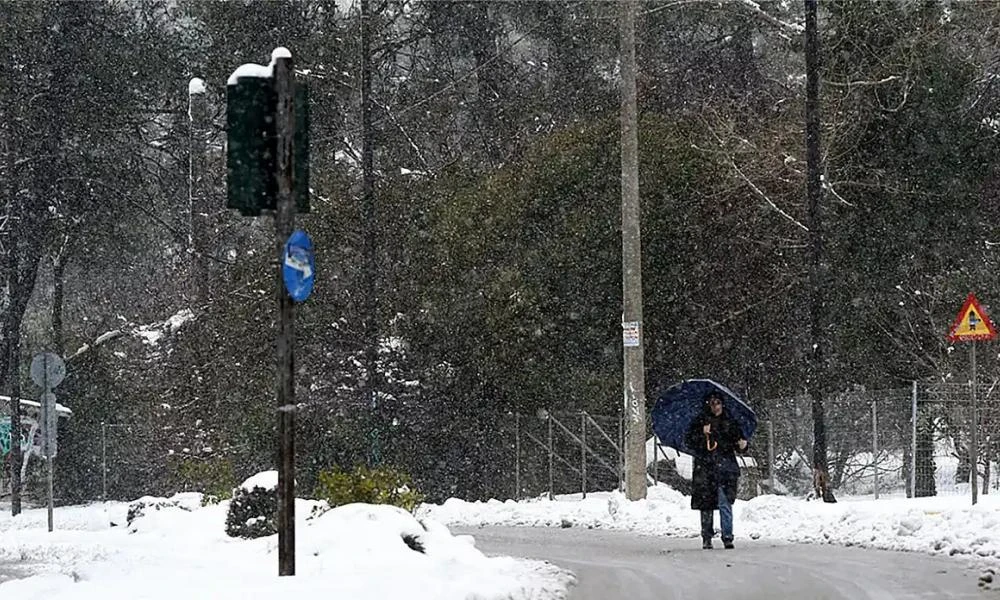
(298, 267)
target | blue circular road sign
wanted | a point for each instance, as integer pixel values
(298, 267)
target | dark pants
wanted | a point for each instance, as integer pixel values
(725, 519)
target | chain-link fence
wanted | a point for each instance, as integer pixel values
(909, 441)
(903, 442)
(868, 438)
(943, 439)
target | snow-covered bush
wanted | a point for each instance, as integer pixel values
(253, 510)
(381, 485)
(148, 504)
(214, 477)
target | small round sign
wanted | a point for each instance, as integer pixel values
(298, 268)
(47, 370)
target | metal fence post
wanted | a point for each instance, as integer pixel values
(770, 453)
(875, 443)
(104, 463)
(551, 485)
(583, 451)
(656, 460)
(621, 453)
(517, 456)
(987, 467)
(913, 444)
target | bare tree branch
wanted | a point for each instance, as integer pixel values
(764, 196)
(744, 5)
(181, 236)
(862, 83)
(829, 187)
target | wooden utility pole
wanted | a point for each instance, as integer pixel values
(370, 309)
(814, 191)
(284, 81)
(634, 411)
(198, 189)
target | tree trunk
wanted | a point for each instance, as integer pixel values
(38, 138)
(58, 287)
(987, 456)
(814, 191)
(963, 472)
(12, 334)
(9, 333)
(370, 310)
(488, 84)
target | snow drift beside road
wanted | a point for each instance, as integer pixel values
(938, 525)
(356, 551)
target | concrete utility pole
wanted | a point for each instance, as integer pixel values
(634, 411)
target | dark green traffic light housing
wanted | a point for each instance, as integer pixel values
(251, 145)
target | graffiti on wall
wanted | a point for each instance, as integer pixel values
(29, 430)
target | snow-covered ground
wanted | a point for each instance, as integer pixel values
(946, 525)
(355, 551)
(358, 551)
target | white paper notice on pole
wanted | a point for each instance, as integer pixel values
(630, 333)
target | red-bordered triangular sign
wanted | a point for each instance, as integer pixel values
(972, 323)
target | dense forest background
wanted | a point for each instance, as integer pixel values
(498, 214)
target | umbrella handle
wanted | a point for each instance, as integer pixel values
(710, 444)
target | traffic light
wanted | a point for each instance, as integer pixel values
(301, 142)
(252, 146)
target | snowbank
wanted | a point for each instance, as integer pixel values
(196, 86)
(180, 551)
(266, 480)
(941, 525)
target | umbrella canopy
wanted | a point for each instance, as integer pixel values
(680, 404)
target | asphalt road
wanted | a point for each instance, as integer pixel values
(611, 565)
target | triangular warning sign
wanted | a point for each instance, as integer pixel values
(972, 323)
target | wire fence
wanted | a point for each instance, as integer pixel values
(903, 442)
(900, 442)
(868, 438)
(130, 458)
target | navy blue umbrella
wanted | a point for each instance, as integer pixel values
(680, 404)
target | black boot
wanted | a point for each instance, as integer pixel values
(707, 533)
(728, 544)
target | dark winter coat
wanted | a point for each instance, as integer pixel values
(717, 467)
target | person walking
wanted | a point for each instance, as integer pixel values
(715, 438)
